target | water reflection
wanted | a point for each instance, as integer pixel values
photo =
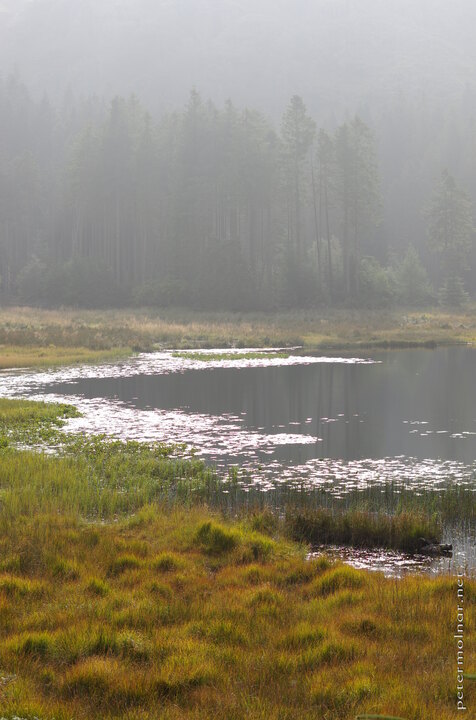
(418, 404)
(398, 564)
(388, 562)
(317, 419)
(344, 424)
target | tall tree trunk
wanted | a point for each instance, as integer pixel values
(316, 220)
(329, 246)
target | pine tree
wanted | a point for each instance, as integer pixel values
(357, 187)
(326, 172)
(450, 225)
(297, 132)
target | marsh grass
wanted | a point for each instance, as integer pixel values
(363, 529)
(124, 596)
(101, 478)
(25, 412)
(32, 356)
(297, 638)
(378, 717)
(146, 329)
(210, 357)
(31, 424)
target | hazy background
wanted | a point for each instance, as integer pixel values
(406, 68)
(340, 55)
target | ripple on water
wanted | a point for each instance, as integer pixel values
(224, 439)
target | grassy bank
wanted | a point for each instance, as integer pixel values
(19, 356)
(44, 337)
(123, 595)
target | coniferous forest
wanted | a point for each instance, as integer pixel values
(104, 204)
(237, 359)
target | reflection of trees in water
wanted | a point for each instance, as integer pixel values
(436, 387)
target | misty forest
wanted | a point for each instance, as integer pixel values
(237, 359)
(181, 194)
(105, 204)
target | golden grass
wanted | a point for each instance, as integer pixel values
(141, 620)
(175, 613)
(81, 336)
(18, 356)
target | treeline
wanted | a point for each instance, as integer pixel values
(212, 208)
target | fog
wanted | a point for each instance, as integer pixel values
(341, 55)
(405, 69)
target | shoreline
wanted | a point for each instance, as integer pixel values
(46, 338)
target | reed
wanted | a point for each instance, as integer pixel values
(363, 529)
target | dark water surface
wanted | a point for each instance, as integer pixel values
(416, 403)
(404, 417)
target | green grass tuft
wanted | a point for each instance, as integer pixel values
(123, 563)
(39, 645)
(98, 587)
(216, 539)
(340, 578)
(167, 562)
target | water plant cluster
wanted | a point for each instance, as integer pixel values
(403, 531)
(211, 356)
(122, 594)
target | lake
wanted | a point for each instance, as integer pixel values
(404, 419)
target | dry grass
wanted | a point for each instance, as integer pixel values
(188, 630)
(12, 356)
(81, 336)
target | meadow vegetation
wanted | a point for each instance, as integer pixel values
(33, 337)
(123, 595)
(204, 356)
(18, 356)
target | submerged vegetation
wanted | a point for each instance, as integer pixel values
(123, 595)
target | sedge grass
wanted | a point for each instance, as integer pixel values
(120, 597)
(218, 635)
(32, 356)
(363, 529)
(147, 329)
